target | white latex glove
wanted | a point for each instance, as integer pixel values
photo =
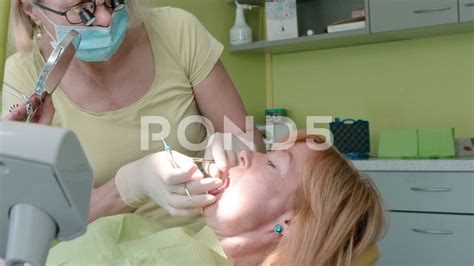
(224, 157)
(154, 177)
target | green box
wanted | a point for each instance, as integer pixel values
(399, 144)
(422, 143)
(436, 143)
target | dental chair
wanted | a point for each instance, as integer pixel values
(45, 188)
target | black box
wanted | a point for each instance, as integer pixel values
(351, 137)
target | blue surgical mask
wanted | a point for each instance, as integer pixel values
(97, 43)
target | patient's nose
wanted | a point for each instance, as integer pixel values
(245, 158)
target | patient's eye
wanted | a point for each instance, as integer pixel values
(270, 163)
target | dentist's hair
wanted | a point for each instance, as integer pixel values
(22, 28)
(339, 214)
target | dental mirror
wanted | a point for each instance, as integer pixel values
(57, 64)
(52, 73)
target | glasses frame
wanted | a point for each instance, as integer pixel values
(64, 12)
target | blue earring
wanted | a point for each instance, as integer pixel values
(277, 229)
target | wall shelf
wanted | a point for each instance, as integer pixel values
(414, 19)
(251, 2)
(349, 38)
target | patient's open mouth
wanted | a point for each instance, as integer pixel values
(219, 190)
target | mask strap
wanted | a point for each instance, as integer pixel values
(46, 29)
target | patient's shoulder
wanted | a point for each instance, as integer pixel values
(369, 257)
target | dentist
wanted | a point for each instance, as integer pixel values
(132, 63)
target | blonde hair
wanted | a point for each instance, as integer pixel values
(339, 214)
(23, 29)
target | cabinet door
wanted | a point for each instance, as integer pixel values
(466, 10)
(450, 192)
(428, 239)
(388, 15)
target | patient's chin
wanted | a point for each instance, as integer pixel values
(210, 213)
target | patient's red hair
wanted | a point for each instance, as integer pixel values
(339, 213)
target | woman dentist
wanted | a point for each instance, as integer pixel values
(132, 63)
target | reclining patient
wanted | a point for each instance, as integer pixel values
(291, 207)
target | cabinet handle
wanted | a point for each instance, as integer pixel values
(420, 11)
(422, 189)
(469, 4)
(432, 232)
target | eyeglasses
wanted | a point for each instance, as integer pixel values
(83, 13)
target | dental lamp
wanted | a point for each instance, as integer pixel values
(45, 188)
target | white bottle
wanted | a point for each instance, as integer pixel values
(241, 33)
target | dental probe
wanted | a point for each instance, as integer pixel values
(202, 160)
(168, 149)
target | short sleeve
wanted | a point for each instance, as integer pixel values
(198, 51)
(20, 75)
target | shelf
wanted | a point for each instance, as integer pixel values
(349, 38)
(318, 41)
(250, 2)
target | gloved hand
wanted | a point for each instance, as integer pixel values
(224, 150)
(154, 177)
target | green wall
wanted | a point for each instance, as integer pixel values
(425, 82)
(246, 70)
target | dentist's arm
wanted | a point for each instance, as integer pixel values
(217, 98)
(106, 201)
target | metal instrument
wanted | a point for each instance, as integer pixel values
(168, 149)
(51, 75)
(202, 160)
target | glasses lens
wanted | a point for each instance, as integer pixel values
(74, 13)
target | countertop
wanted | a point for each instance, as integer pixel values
(465, 164)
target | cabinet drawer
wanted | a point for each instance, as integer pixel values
(466, 10)
(387, 15)
(450, 192)
(428, 239)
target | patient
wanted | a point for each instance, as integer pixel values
(290, 207)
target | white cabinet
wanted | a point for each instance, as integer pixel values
(439, 192)
(389, 15)
(466, 10)
(428, 239)
(430, 217)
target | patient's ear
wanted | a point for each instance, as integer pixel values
(286, 226)
(284, 221)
